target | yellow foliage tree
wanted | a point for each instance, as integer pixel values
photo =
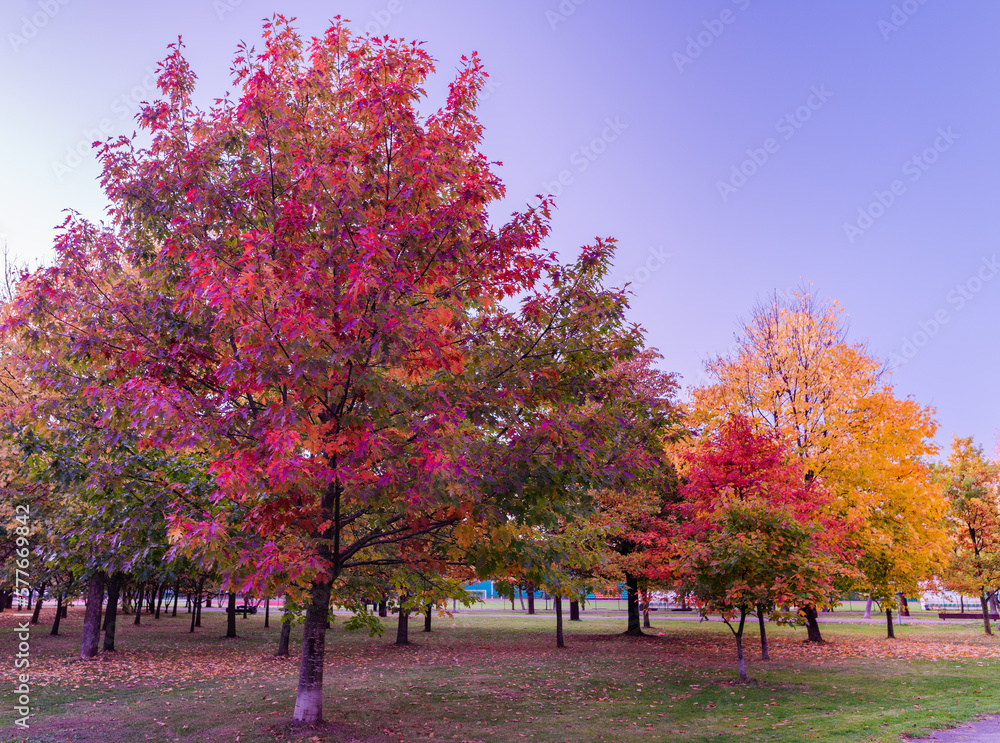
(793, 370)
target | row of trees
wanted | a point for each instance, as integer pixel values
(300, 360)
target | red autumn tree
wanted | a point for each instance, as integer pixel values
(750, 534)
(302, 284)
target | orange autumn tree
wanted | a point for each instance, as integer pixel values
(793, 371)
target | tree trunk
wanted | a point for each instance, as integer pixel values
(138, 603)
(246, 603)
(427, 617)
(520, 595)
(994, 609)
(812, 626)
(888, 623)
(574, 611)
(383, 608)
(986, 614)
(267, 613)
(557, 602)
(196, 604)
(159, 598)
(740, 662)
(531, 598)
(111, 618)
(868, 607)
(403, 625)
(286, 631)
(632, 584)
(231, 616)
(309, 700)
(38, 604)
(904, 605)
(92, 619)
(961, 604)
(177, 592)
(59, 608)
(763, 633)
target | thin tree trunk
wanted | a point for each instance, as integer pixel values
(159, 598)
(231, 616)
(309, 699)
(111, 618)
(986, 614)
(888, 623)
(868, 607)
(267, 613)
(574, 611)
(38, 604)
(961, 604)
(59, 608)
(196, 604)
(246, 603)
(138, 603)
(427, 617)
(557, 602)
(383, 608)
(763, 633)
(739, 646)
(632, 585)
(92, 619)
(520, 595)
(286, 631)
(812, 626)
(177, 591)
(531, 598)
(994, 609)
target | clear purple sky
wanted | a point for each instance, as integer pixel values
(649, 111)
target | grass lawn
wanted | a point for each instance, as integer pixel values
(501, 678)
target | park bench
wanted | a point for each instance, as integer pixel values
(965, 615)
(248, 608)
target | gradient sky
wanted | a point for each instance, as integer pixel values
(733, 147)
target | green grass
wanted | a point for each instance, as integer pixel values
(501, 678)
